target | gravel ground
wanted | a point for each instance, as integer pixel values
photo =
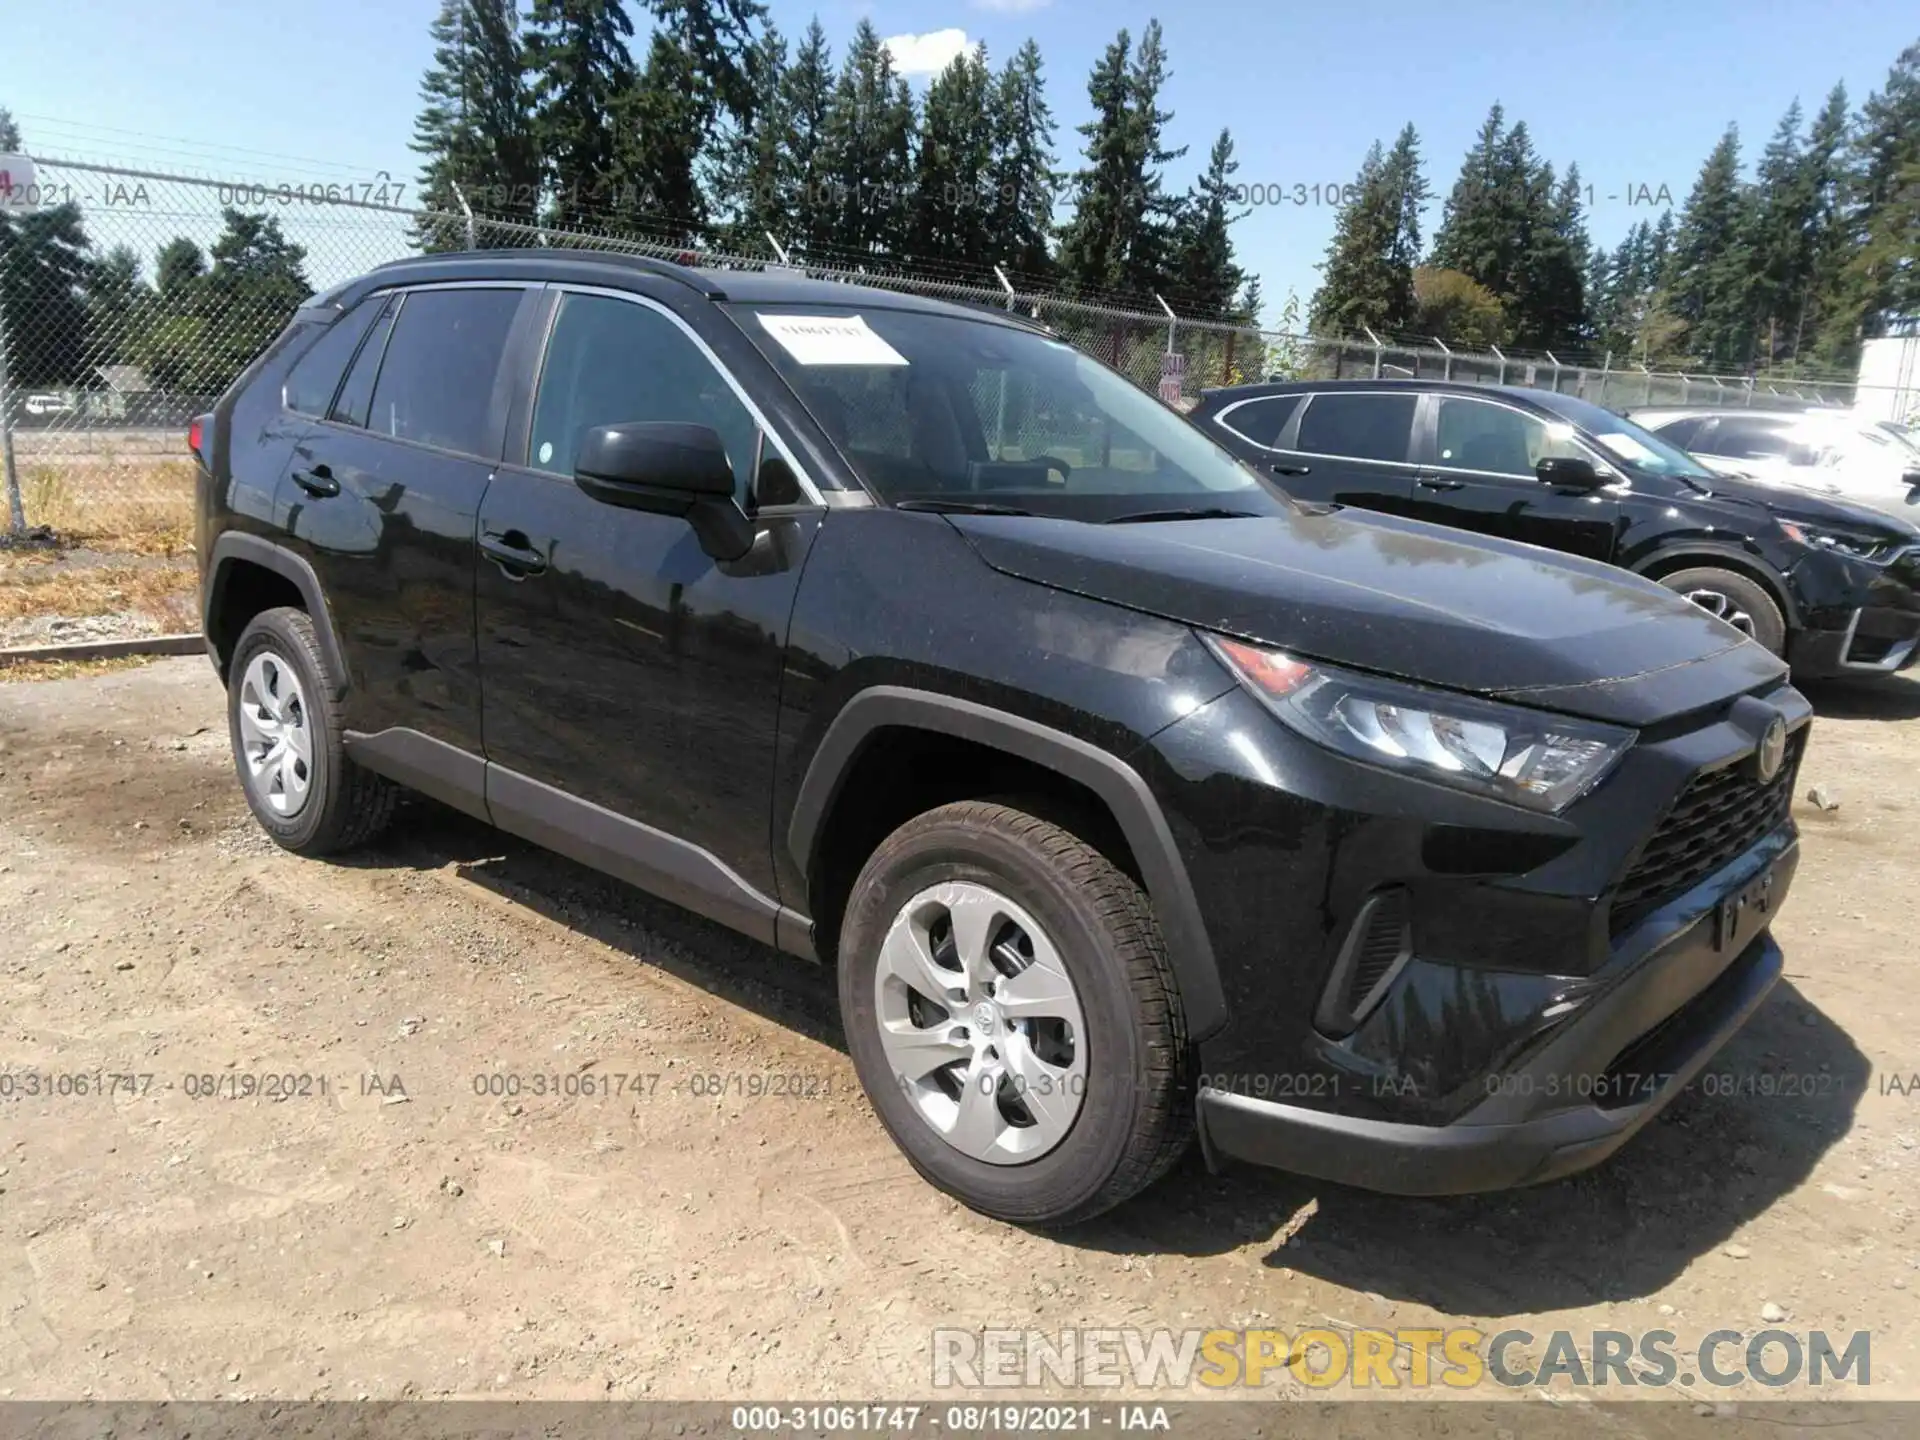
(739, 1225)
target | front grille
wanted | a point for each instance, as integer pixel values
(1720, 815)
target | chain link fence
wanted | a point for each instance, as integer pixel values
(130, 299)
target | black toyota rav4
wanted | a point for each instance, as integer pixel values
(1128, 797)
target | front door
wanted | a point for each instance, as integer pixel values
(1477, 472)
(632, 682)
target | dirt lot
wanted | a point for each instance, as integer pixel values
(397, 1233)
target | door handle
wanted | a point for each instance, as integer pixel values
(1291, 469)
(1426, 483)
(318, 481)
(513, 553)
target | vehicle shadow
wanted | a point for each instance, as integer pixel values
(1749, 1131)
(1894, 698)
(727, 965)
(1719, 1156)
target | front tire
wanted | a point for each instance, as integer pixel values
(1737, 599)
(286, 734)
(1011, 1013)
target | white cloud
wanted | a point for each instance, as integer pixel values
(1012, 7)
(926, 54)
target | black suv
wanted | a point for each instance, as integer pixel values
(1832, 586)
(1127, 796)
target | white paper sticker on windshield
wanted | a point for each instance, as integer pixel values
(1628, 448)
(830, 340)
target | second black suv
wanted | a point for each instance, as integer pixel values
(1833, 586)
(1127, 797)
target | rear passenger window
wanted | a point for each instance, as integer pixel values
(1261, 421)
(1744, 438)
(1681, 432)
(1361, 427)
(436, 380)
(309, 389)
(356, 396)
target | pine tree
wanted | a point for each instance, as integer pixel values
(806, 99)
(717, 39)
(1708, 274)
(1205, 280)
(1021, 176)
(475, 126)
(1147, 261)
(1558, 266)
(754, 177)
(1475, 230)
(661, 122)
(1824, 163)
(10, 143)
(583, 73)
(1093, 244)
(1368, 274)
(1780, 231)
(869, 144)
(1881, 278)
(951, 208)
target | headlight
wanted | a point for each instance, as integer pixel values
(1526, 757)
(1859, 546)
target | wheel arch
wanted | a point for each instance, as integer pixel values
(225, 598)
(1128, 802)
(1724, 557)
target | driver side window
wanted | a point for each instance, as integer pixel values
(1474, 435)
(609, 361)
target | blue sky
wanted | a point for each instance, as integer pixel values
(1633, 91)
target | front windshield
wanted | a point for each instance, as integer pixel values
(1626, 441)
(941, 409)
(1901, 435)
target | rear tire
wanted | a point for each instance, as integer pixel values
(1739, 600)
(1090, 1049)
(285, 729)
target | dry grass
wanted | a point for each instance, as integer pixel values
(132, 505)
(46, 584)
(27, 671)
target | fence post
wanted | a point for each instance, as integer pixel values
(778, 249)
(1557, 368)
(1377, 349)
(1005, 284)
(1502, 379)
(1649, 374)
(1446, 366)
(16, 508)
(465, 209)
(1173, 322)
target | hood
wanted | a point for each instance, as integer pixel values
(1402, 598)
(1818, 506)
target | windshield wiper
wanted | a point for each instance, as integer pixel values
(960, 507)
(1199, 512)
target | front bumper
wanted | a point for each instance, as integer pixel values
(1876, 640)
(1579, 1096)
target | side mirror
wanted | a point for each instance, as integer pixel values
(667, 468)
(1574, 472)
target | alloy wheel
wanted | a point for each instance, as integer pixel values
(1723, 606)
(276, 743)
(980, 1023)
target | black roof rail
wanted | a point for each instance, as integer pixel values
(694, 279)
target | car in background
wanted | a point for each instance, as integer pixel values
(1833, 587)
(1870, 462)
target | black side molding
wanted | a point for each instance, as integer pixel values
(449, 774)
(655, 861)
(1114, 781)
(237, 545)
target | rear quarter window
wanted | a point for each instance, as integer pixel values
(316, 375)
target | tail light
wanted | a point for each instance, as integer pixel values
(195, 428)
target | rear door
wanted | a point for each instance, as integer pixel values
(1348, 447)
(1477, 472)
(382, 497)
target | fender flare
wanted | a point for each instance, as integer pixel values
(1709, 553)
(239, 546)
(1118, 785)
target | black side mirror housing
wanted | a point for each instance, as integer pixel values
(667, 468)
(1575, 472)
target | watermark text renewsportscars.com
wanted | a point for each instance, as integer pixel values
(1461, 1358)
